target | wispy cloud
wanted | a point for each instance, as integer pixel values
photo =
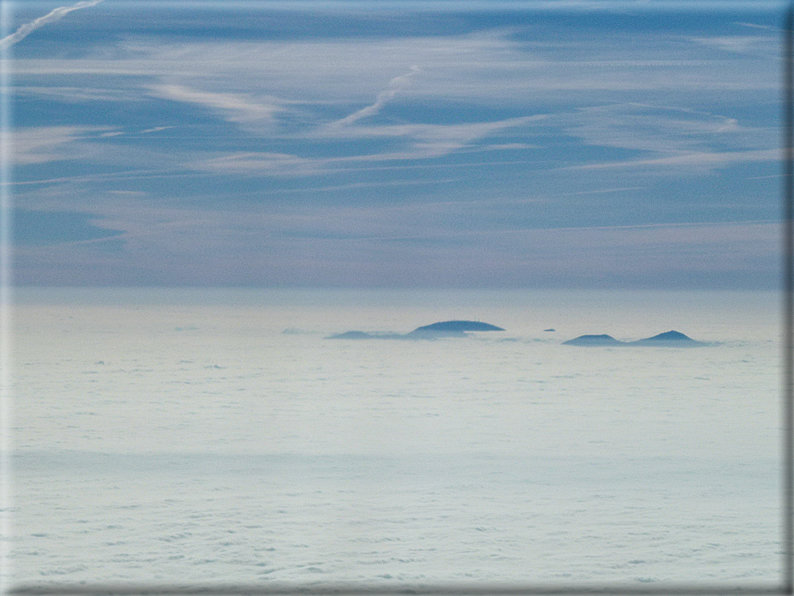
(54, 15)
(241, 108)
(155, 129)
(701, 159)
(739, 43)
(668, 136)
(757, 26)
(257, 163)
(486, 65)
(661, 129)
(382, 98)
(419, 141)
(79, 94)
(47, 143)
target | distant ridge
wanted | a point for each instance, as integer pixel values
(364, 335)
(668, 338)
(673, 339)
(452, 329)
(594, 340)
(442, 329)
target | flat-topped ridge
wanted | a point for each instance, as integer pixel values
(446, 327)
(593, 340)
(442, 329)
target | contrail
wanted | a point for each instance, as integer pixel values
(384, 96)
(54, 15)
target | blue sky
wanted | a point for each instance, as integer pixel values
(413, 144)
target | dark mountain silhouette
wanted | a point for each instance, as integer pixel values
(365, 335)
(668, 338)
(442, 329)
(351, 335)
(451, 329)
(593, 340)
(672, 339)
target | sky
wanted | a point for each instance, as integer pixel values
(568, 144)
